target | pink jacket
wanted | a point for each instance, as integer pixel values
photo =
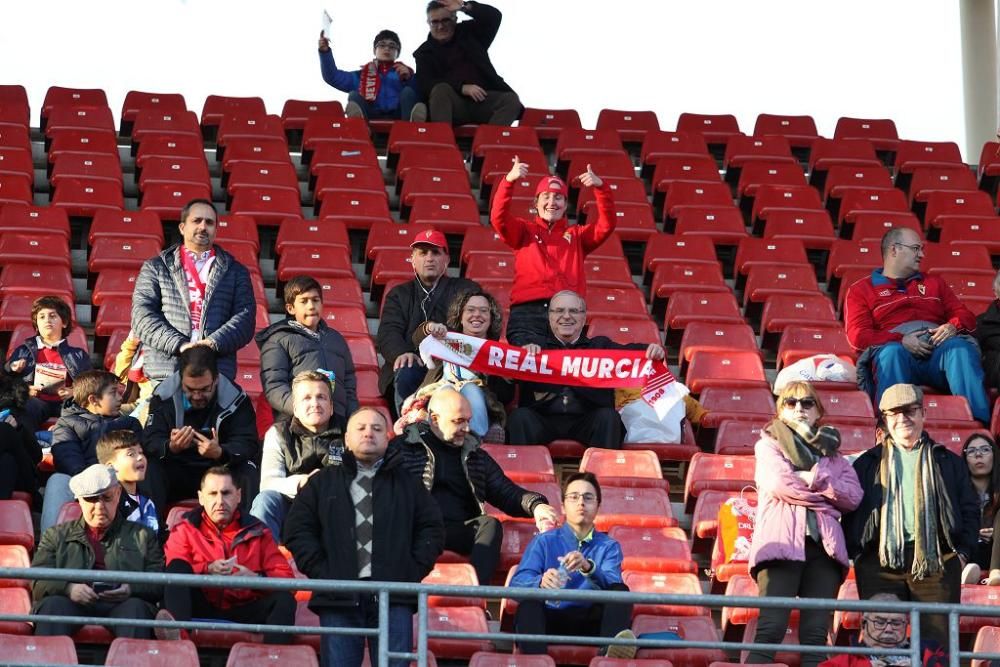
(782, 500)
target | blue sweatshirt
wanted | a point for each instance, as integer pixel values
(544, 551)
(349, 82)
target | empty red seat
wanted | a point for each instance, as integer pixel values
(670, 169)
(766, 280)
(660, 144)
(843, 178)
(757, 252)
(881, 132)
(15, 601)
(15, 524)
(687, 307)
(813, 227)
(432, 157)
(174, 170)
(172, 123)
(946, 411)
(453, 574)
(167, 199)
(83, 197)
(295, 113)
(723, 224)
(783, 310)
(267, 205)
(490, 266)
(975, 291)
(217, 106)
(720, 472)
(261, 150)
(79, 117)
(684, 195)
(237, 229)
(137, 101)
(857, 200)
(56, 650)
(941, 258)
(115, 313)
(736, 437)
(83, 141)
(631, 126)
(575, 141)
(296, 231)
(456, 619)
(523, 137)
(17, 162)
(523, 463)
(615, 467)
(828, 153)
(667, 248)
(14, 190)
(125, 224)
(945, 206)
(29, 279)
(654, 549)
(730, 368)
(847, 255)
(348, 320)
(715, 128)
(344, 133)
(342, 178)
(602, 272)
(689, 628)
(152, 653)
(912, 155)
(715, 337)
(118, 253)
(674, 583)
(273, 176)
(671, 278)
(168, 146)
(742, 150)
(245, 654)
(34, 248)
(624, 331)
(451, 214)
(59, 96)
(549, 123)
(620, 301)
(872, 225)
(418, 135)
(847, 407)
(330, 261)
(772, 198)
(927, 180)
(356, 210)
(642, 508)
(247, 125)
(23, 218)
(800, 131)
(15, 556)
(755, 174)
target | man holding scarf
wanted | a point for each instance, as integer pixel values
(919, 519)
(193, 293)
(382, 88)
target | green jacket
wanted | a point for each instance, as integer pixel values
(128, 546)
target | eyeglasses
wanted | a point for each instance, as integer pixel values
(910, 411)
(916, 247)
(979, 451)
(440, 23)
(567, 311)
(806, 403)
(387, 45)
(881, 623)
(587, 498)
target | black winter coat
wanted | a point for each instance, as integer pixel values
(161, 314)
(74, 440)
(402, 314)
(486, 478)
(319, 529)
(988, 334)
(286, 350)
(861, 527)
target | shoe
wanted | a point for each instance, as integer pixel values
(621, 651)
(972, 574)
(353, 110)
(419, 113)
(166, 633)
(994, 578)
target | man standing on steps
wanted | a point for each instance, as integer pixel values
(193, 293)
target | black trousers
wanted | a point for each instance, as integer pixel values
(599, 428)
(819, 576)
(446, 105)
(478, 538)
(528, 322)
(600, 620)
(169, 481)
(275, 608)
(946, 586)
(63, 606)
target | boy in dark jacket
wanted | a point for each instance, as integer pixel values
(96, 410)
(304, 342)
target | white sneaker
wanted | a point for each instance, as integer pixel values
(622, 651)
(353, 110)
(419, 113)
(972, 574)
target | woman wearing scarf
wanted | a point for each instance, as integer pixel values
(798, 547)
(382, 88)
(918, 523)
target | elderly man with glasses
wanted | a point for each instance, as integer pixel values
(918, 522)
(910, 327)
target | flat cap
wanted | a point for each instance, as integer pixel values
(93, 481)
(900, 395)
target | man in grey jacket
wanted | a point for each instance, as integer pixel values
(194, 293)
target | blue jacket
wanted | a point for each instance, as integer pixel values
(349, 82)
(77, 360)
(74, 440)
(544, 551)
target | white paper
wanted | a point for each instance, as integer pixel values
(49, 378)
(327, 23)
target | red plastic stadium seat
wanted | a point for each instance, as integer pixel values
(602, 272)
(456, 619)
(167, 199)
(16, 162)
(736, 437)
(348, 320)
(945, 206)
(848, 255)
(624, 331)
(23, 218)
(247, 125)
(690, 628)
(742, 150)
(83, 197)
(125, 225)
(881, 132)
(615, 467)
(766, 280)
(450, 214)
(357, 210)
(615, 301)
(489, 266)
(847, 407)
(516, 536)
(665, 583)
(175, 123)
(296, 231)
(858, 200)
(453, 574)
(549, 123)
(667, 249)
(783, 310)
(660, 144)
(152, 653)
(58, 650)
(927, 180)
(987, 641)
(705, 517)
(844, 178)
(58, 96)
(15, 556)
(631, 126)
(168, 147)
(485, 659)
(686, 195)
(115, 313)
(814, 228)
(577, 141)
(432, 157)
(975, 291)
(15, 524)
(729, 368)
(671, 278)
(716, 129)
(217, 106)
(90, 167)
(721, 472)
(654, 549)
(942, 258)
(347, 134)
(70, 511)
(329, 261)
(34, 248)
(79, 117)
(86, 142)
(245, 654)
(267, 175)
(15, 601)
(342, 178)
(418, 135)
(772, 198)
(715, 337)
(722, 224)
(756, 174)
(687, 307)
(267, 205)
(946, 411)
(522, 138)
(137, 101)
(29, 279)
(295, 113)
(121, 253)
(385, 235)
(259, 150)
(640, 508)
(912, 155)
(872, 225)
(800, 341)
(800, 131)
(549, 489)
(774, 252)
(829, 153)
(791, 637)
(523, 463)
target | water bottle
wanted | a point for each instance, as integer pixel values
(563, 574)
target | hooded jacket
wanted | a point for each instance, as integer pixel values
(286, 350)
(486, 478)
(161, 312)
(230, 413)
(74, 440)
(549, 260)
(320, 532)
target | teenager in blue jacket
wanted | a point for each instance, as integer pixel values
(382, 88)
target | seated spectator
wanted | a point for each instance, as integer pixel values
(575, 556)
(99, 540)
(217, 538)
(122, 451)
(129, 369)
(549, 252)
(456, 77)
(918, 521)
(912, 329)
(383, 88)
(364, 517)
(304, 342)
(888, 630)
(473, 314)
(798, 548)
(296, 449)
(407, 306)
(462, 477)
(988, 335)
(549, 411)
(95, 410)
(20, 452)
(980, 454)
(48, 362)
(198, 419)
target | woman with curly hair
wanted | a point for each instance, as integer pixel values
(473, 313)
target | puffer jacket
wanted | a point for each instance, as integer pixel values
(487, 479)
(74, 440)
(77, 360)
(128, 546)
(161, 314)
(286, 350)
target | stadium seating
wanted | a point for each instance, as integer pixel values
(179, 653)
(614, 467)
(663, 550)
(34, 650)
(719, 472)
(244, 654)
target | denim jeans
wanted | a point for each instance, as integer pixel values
(474, 394)
(407, 98)
(349, 650)
(271, 507)
(57, 494)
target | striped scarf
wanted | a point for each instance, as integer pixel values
(930, 499)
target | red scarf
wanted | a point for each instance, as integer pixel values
(371, 78)
(196, 286)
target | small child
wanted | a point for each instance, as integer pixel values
(47, 361)
(121, 450)
(95, 410)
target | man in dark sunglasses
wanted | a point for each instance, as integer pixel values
(457, 78)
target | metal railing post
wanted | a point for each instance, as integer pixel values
(383, 628)
(953, 646)
(422, 629)
(915, 657)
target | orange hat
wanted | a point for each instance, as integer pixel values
(552, 184)
(430, 237)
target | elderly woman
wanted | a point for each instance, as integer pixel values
(473, 313)
(798, 547)
(988, 334)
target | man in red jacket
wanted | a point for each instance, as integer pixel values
(216, 538)
(911, 327)
(548, 251)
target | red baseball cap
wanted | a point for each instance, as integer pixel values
(430, 237)
(552, 184)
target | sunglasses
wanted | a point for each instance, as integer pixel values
(806, 403)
